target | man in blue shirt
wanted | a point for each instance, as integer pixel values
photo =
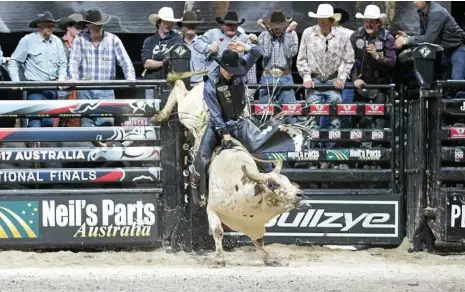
(44, 59)
(224, 94)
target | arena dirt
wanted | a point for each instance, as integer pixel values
(303, 269)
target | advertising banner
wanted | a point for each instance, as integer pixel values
(455, 216)
(77, 219)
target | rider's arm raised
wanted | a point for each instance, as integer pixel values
(214, 109)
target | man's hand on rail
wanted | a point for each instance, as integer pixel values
(309, 84)
(339, 84)
(359, 83)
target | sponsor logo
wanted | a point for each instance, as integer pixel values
(53, 175)
(42, 155)
(356, 135)
(292, 109)
(457, 133)
(134, 121)
(458, 154)
(319, 109)
(314, 134)
(425, 51)
(19, 219)
(337, 154)
(347, 109)
(334, 134)
(365, 154)
(311, 155)
(180, 51)
(337, 218)
(377, 135)
(107, 219)
(374, 109)
(462, 108)
(263, 109)
(457, 216)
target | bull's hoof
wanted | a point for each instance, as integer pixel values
(158, 119)
(272, 263)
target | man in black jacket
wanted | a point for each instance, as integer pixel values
(439, 27)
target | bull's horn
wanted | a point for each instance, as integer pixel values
(260, 178)
(173, 77)
(278, 167)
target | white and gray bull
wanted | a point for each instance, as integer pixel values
(245, 199)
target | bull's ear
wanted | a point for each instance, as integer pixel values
(296, 185)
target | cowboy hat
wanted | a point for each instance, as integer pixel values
(189, 17)
(371, 12)
(46, 16)
(231, 62)
(277, 20)
(230, 18)
(324, 11)
(73, 19)
(166, 14)
(340, 15)
(95, 17)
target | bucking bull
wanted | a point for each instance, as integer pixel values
(239, 196)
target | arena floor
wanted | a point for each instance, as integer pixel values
(304, 269)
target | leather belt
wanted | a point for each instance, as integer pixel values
(285, 72)
(324, 79)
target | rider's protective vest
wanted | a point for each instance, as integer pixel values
(231, 96)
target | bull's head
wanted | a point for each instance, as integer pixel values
(276, 188)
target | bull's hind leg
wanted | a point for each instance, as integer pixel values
(260, 245)
(179, 91)
(217, 230)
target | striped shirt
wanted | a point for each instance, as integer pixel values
(90, 62)
(278, 51)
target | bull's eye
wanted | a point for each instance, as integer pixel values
(272, 186)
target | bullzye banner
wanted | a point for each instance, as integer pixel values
(115, 218)
(132, 16)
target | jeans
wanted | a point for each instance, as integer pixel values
(320, 97)
(41, 95)
(347, 96)
(96, 95)
(284, 96)
(457, 60)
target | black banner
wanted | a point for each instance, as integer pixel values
(79, 108)
(132, 16)
(350, 134)
(455, 216)
(79, 219)
(80, 175)
(147, 133)
(342, 220)
(298, 109)
(330, 155)
(454, 107)
(81, 154)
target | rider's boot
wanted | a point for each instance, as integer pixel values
(195, 189)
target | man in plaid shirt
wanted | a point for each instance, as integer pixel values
(93, 57)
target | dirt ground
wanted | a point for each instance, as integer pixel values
(303, 269)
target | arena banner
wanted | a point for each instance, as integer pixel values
(331, 155)
(79, 108)
(299, 109)
(81, 154)
(80, 175)
(132, 16)
(79, 219)
(139, 133)
(455, 216)
(338, 220)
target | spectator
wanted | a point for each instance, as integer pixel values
(325, 57)
(280, 43)
(375, 59)
(94, 54)
(155, 47)
(214, 41)
(437, 26)
(188, 24)
(68, 25)
(340, 17)
(44, 59)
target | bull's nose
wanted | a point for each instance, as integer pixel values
(300, 193)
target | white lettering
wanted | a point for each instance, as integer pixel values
(456, 213)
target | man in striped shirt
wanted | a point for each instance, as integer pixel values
(93, 56)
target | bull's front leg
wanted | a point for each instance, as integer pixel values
(267, 259)
(178, 92)
(218, 232)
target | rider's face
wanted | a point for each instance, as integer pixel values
(225, 73)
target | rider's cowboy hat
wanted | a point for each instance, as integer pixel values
(189, 17)
(73, 19)
(95, 17)
(324, 11)
(371, 12)
(230, 18)
(231, 62)
(340, 15)
(166, 14)
(277, 20)
(46, 16)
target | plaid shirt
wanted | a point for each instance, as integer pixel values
(278, 51)
(89, 62)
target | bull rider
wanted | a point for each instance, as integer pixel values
(224, 94)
